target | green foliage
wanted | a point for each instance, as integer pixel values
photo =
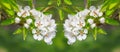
(101, 31)
(64, 7)
(110, 6)
(61, 14)
(111, 21)
(18, 31)
(68, 2)
(8, 21)
(58, 2)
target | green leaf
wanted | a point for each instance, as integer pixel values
(58, 2)
(113, 3)
(111, 21)
(68, 2)
(7, 21)
(18, 31)
(10, 12)
(109, 12)
(6, 4)
(14, 5)
(105, 5)
(101, 31)
(61, 14)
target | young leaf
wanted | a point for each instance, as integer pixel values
(61, 14)
(10, 12)
(111, 21)
(109, 12)
(18, 31)
(113, 4)
(58, 2)
(7, 21)
(68, 2)
(6, 4)
(101, 31)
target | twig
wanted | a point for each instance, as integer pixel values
(33, 3)
(86, 3)
(47, 8)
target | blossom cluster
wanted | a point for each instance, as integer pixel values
(75, 26)
(44, 25)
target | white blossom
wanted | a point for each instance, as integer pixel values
(72, 27)
(102, 20)
(24, 12)
(17, 20)
(82, 34)
(95, 12)
(47, 27)
(37, 35)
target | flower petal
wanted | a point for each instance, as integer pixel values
(79, 37)
(84, 36)
(35, 36)
(40, 37)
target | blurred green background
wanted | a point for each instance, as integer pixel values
(15, 43)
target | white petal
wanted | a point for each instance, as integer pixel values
(85, 31)
(27, 8)
(48, 40)
(35, 36)
(44, 31)
(29, 21)
(27, 13)
(79, 37)
(69, 42)
(102, 20)
(93, 25)
(70, 37)
(92, 8)
(75, 31)
(100, 14)
(17, 20)
(26, 25)
(34, 31)
(84, 36)
(19, 14)
(40, 37)
(90, 21)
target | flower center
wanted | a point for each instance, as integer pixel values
(81, 24)
(37, 32)
(81, 32)
(38, 24)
